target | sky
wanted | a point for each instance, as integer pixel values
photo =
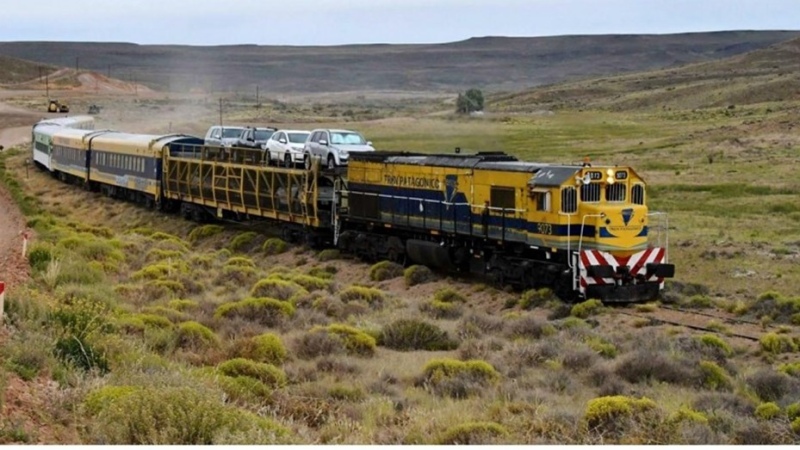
(338, 22)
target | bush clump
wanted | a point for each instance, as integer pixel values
(196, 336)
(385, 270)
(768, 411)
(603, 412)
(535, 298)
(792, 369)
(714, 376)
(777, 343)
(354, 340)
(585, 309)
(716, 342)
(242, 240)
(266, 373)
(602, 347)
(177, 416)
(417, 274)
(267, 311)
(274, 287)
(368, 295)
(458, 379)
(472, 433)
(312, 283)
(410, 334)
(329, 254)
(274, 246)
(267, 348)
(40, 256)
(204, 231)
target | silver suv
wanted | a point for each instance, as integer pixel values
(219, 136)
(333, 147)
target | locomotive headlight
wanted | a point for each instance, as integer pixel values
(610, 180)
(610, 172)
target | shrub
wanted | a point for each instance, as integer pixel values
(644, 365)
(472, 433)
(351, 394)
(602, 412)
(601, 347)
(99, 399)
(354, 340)
(368, 295)
(458, 379)
(242, 240)
(585, 309)
(793, 411)
(266, 348)
(768, 411)
(417, 274)
(769, 386)
(684, 414)
(791, 369)
(266, 373)
(442, 310)
(716, 342)
(317, 343)
(326, 272)
(698, 302)
(777, 343)
(177, 416)
(204, 231)
(714, 376)
(240, 261)
(385, 270)
(529, 327)
(267, 311)
(183, 305)
(795, 425)
(410, 334)
(329, 254)
(274, 246)
(244, 389)
(40, 256)
(277, 288)
(152, 320)
(312, 283)
(448, 295)
(536, 297)
(195, 336)
(160, 270)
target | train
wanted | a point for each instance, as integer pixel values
(583, 230)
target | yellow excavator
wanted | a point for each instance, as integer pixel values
(57, 107)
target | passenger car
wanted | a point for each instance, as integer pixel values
(334, 146)
(254, 137)
(286, 146)
(223, 136)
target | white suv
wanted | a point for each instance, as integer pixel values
(333, 147)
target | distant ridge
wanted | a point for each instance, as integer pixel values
(770, 74)
(492, 63)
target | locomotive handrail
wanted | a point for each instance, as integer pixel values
(666, 232)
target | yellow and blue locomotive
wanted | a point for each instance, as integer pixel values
(583, 230)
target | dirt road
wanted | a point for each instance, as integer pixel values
(13, 268)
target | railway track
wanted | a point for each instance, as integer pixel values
(698, 320)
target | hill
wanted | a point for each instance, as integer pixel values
(490, 63)
(15, 70)
(766, 75)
